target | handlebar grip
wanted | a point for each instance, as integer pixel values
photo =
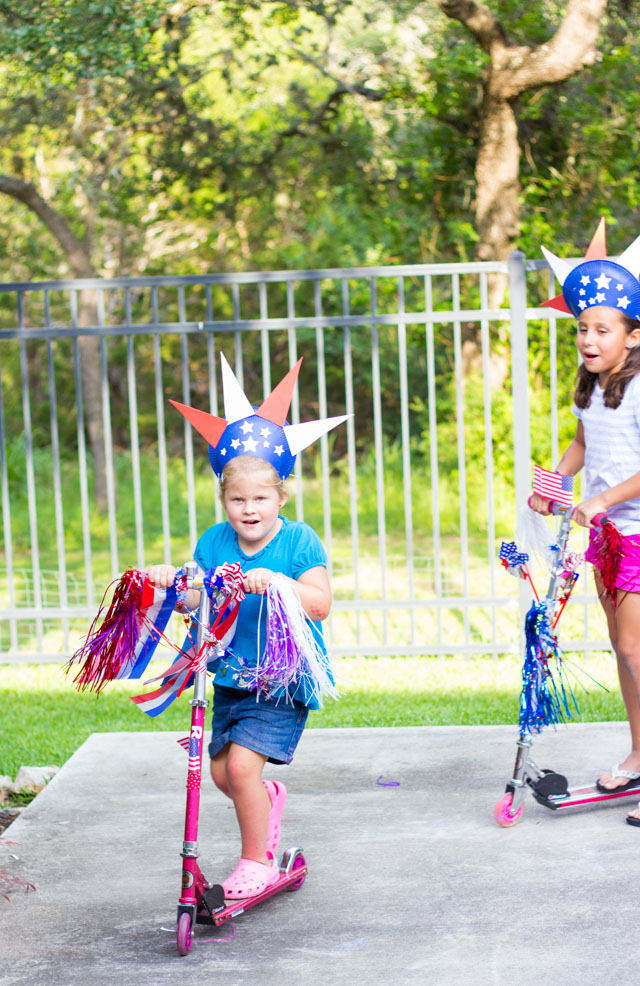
(600, 520)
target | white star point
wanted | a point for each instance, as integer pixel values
(623, 302)
(246, 426)
(279, 450)
(250, 444)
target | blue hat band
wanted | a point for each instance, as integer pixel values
(602, 282)
(255, 436)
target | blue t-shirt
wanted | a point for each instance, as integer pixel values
(294, 550)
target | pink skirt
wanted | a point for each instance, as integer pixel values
(628, 574)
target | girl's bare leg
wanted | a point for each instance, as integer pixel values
(624, 630)
(237, 771)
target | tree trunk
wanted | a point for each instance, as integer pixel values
(513, 70)
(89, 346)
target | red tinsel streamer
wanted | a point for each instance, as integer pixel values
(609, 554)
(112, 636)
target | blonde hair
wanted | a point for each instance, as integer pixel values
(243, 465)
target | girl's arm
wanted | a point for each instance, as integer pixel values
(571, 463)
(312, 587)
(628, 490)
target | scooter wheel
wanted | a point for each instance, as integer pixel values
(183, 937)
(503, 814)
(298, 863)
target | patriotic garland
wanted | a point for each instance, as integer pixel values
(544, 697)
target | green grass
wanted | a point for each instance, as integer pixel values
(44, 719)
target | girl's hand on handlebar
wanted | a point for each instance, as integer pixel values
(257, 579)
(540, 504)
(584, 513)
(162, 575)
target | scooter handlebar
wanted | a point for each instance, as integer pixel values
(600, 520)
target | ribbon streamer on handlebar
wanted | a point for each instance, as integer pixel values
(608, 542)
(121, 642)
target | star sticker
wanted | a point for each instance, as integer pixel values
(265, 432)
(623, 302)
(245, 427)
(250, 445)
(585, 279)
(235, 443)
(600, 296)
(266, 445)
(592, 301)
(582, 304)
(603, 282)
(278, 450)
(619, 287)
(223, 451)
(582, 291)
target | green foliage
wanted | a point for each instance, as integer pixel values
(219, 136)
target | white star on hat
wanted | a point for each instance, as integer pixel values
(582, 303)
(250, 444)
(279, 449)
(265, 432)
(235, 443)
(600, 296)
(603, 282)
(245, 427)
(585, 279)
(623, 301)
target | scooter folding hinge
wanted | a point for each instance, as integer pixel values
(189, 850)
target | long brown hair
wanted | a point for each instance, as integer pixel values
(617, 382)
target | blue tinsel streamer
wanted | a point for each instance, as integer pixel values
(545, 697)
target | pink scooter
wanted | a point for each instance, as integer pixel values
(202, 902)
(548, 787)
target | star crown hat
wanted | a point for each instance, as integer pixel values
(259, 431)
(596, 280)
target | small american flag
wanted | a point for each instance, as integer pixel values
(553, 486)
(510, 555)
(192, 746)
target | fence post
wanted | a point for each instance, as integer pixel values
(520, 397)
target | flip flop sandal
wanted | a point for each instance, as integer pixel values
(250, 878)
(277, 796)
(633, 821)
(616, 771)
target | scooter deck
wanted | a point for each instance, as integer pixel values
(587, 795)
(234, 908)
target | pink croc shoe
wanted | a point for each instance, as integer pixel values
(277, 796)
(250, 878)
